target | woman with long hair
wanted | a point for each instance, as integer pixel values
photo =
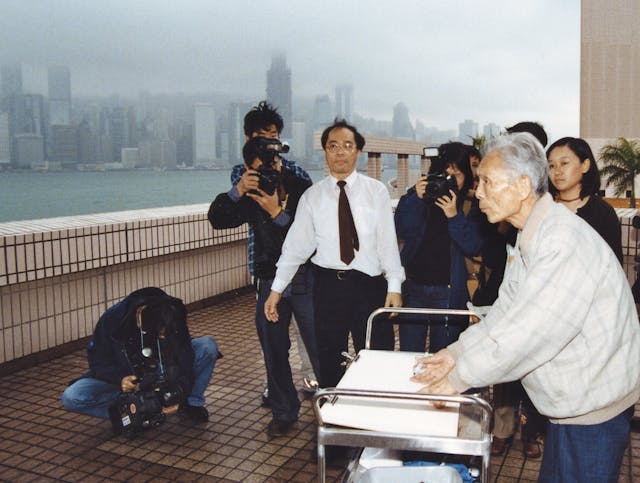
(575, 182)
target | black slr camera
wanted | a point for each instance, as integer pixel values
(268, 149)
(138, 410)
(439, 184)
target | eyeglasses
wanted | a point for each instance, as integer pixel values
(334, 147)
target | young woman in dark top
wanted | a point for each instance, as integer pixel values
(575, 182)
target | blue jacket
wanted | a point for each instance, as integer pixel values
(116, 339)
(466, 240)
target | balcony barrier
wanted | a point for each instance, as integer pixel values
(58, 275)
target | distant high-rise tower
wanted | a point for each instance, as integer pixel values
(279, 89)
(204, 135)
(401, 125)
(235, 131)
(10, 80)
(59, 95)
(5, 143)
(468, 129)
(609, 69)
(344, 102)
(491, 130)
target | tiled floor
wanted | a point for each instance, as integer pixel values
(40, 441)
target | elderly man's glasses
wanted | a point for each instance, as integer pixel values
(334, 147)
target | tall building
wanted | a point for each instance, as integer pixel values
(204, 135)
(491, 130)
(322, 117)
(468, 129)
(5, 140)
(87, 146)
(10, 80)
(59, 95)
(235, 132)
(118, 132)
(64, 145)
(344, 102)
(29, 150)
(609, 69)
(299, 141)
(401, 125)
(279, 90)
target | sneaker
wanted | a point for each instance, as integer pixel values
(197, 414)
(277, 428)
(309, 385)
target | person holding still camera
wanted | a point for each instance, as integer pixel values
(266, 197)
(438, 227)
(143, 340)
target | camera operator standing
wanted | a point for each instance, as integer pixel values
(439, 227)
(266, 197)
(263, 120)
(141, 349)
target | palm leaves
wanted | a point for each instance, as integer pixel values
(622, 165)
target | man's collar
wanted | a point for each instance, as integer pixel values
(538, 213)
(350, 180)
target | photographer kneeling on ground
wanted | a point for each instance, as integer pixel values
(141, 346)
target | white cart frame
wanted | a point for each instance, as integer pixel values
(474, 427)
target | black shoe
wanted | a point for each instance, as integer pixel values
(197, 414)
(264, 398)
(277, 428)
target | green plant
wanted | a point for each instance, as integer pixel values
(478, 141)
(621, 166)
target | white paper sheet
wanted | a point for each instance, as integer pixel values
(388, 371)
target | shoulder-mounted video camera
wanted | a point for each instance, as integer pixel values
(267, 149)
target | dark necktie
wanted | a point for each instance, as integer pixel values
(348, 233)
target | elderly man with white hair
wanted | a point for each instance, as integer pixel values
(564, 322)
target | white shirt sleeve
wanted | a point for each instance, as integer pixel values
(388, 245)
(298, 246)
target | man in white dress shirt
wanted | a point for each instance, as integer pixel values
(355, 274)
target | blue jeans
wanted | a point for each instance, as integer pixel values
(442, 331)
(275, 343)
(94, 397)
(585, 453)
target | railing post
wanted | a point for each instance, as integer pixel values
(403, 173)
(374, 166)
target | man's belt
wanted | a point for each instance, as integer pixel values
(342, 274)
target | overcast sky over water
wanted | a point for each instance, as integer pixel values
(496, 61)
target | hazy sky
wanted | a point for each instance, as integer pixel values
(490, 60)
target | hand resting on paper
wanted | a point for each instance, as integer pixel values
(435, 369)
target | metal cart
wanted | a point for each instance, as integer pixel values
(474, 424)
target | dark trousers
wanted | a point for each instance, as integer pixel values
(585, 453)
(275, 342)
(443, 330)
(343, 301)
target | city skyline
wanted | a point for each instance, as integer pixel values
(446, 63)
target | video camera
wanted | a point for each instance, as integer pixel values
(138, 410)
(268, 149)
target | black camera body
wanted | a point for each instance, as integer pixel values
(268, 149)
(141, 409)
(438, 185)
